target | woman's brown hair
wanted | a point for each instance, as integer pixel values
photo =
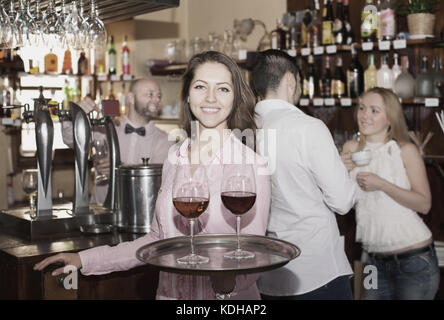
(398, 130)
(242, 114)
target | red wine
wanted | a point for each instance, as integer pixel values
(238, 202)
(190, 207)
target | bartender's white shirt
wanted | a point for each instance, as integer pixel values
(309, 184)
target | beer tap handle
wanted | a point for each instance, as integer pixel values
(28, 115)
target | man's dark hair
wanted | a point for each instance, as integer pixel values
(269, 68)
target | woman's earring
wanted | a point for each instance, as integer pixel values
(188, 100)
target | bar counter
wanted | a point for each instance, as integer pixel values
(18, 280)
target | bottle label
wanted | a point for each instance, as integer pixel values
(337, 88)
(112, 61)
(368, 21)
(125, 63)
(388, 23)
(275, 41)
(327, 32)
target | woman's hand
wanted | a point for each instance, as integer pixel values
(347, 160)
(369, 181)
(71, 259)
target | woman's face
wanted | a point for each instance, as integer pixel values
(372, 117)
(211, 95)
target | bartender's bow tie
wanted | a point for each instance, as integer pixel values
(130, 129)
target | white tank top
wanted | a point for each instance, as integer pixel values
(384, 225)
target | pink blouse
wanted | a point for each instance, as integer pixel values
(167, 223)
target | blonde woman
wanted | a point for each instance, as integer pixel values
(393, 189)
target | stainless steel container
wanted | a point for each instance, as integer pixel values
(138, 186)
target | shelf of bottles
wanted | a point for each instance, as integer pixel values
(319, 42)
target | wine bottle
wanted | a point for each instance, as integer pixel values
(327, 24)
(82, 64)
(310, 82)
(111, 57)
(368, 22)
(339, 26)
(339, 80)
(314, 27)
(125, 57)
(370, 74)
(349, 34)
(355, 76)
(325, 82)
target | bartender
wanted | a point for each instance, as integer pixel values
(138, 136)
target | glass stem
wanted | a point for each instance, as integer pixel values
(192, 235)
(238, 221)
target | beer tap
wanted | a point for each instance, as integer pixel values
(104, 119)
(44, 135)
(81, 145)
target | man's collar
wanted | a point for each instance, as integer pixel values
(265, 106)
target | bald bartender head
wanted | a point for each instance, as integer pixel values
(143, 99)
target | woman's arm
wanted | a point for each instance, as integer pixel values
(418, 198)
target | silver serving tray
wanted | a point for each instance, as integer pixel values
(270, 253)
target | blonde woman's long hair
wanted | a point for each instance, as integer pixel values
(398, 130)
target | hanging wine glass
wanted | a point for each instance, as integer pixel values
(38, 19)
(16, 27)
(5, 27)
(73, 28)
(33, 36)
(52, 27)
(96, 32)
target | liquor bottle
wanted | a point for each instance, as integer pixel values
(438, 76)
(122, 99)
(51, 63)
(368, 22)
(314, 27)
(370, 74)
(338, 25)
(405, 83)
(327, 23)
(67, 63)
(424, 80)
(306, 20)
(112, 57)
(387, 20)
(67, 98)
(339, 80)
(396, 69)
(355, 76)
(75, 92)
(278, 37)
(310, 82)
(325, 82)
(378, 20)
(385, 75)
(125, 57)
(82, 64)
(349, 34)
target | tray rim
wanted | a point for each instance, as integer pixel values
(184, 269)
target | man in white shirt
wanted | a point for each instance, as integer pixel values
(309, 184)
(138, 136)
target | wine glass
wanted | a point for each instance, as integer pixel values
(191, 198)
(73, 28)
(238, 195)
(99, 151)
(52, 27)
(94, 28)
(29, 185)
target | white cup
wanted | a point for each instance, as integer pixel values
(362, 158)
